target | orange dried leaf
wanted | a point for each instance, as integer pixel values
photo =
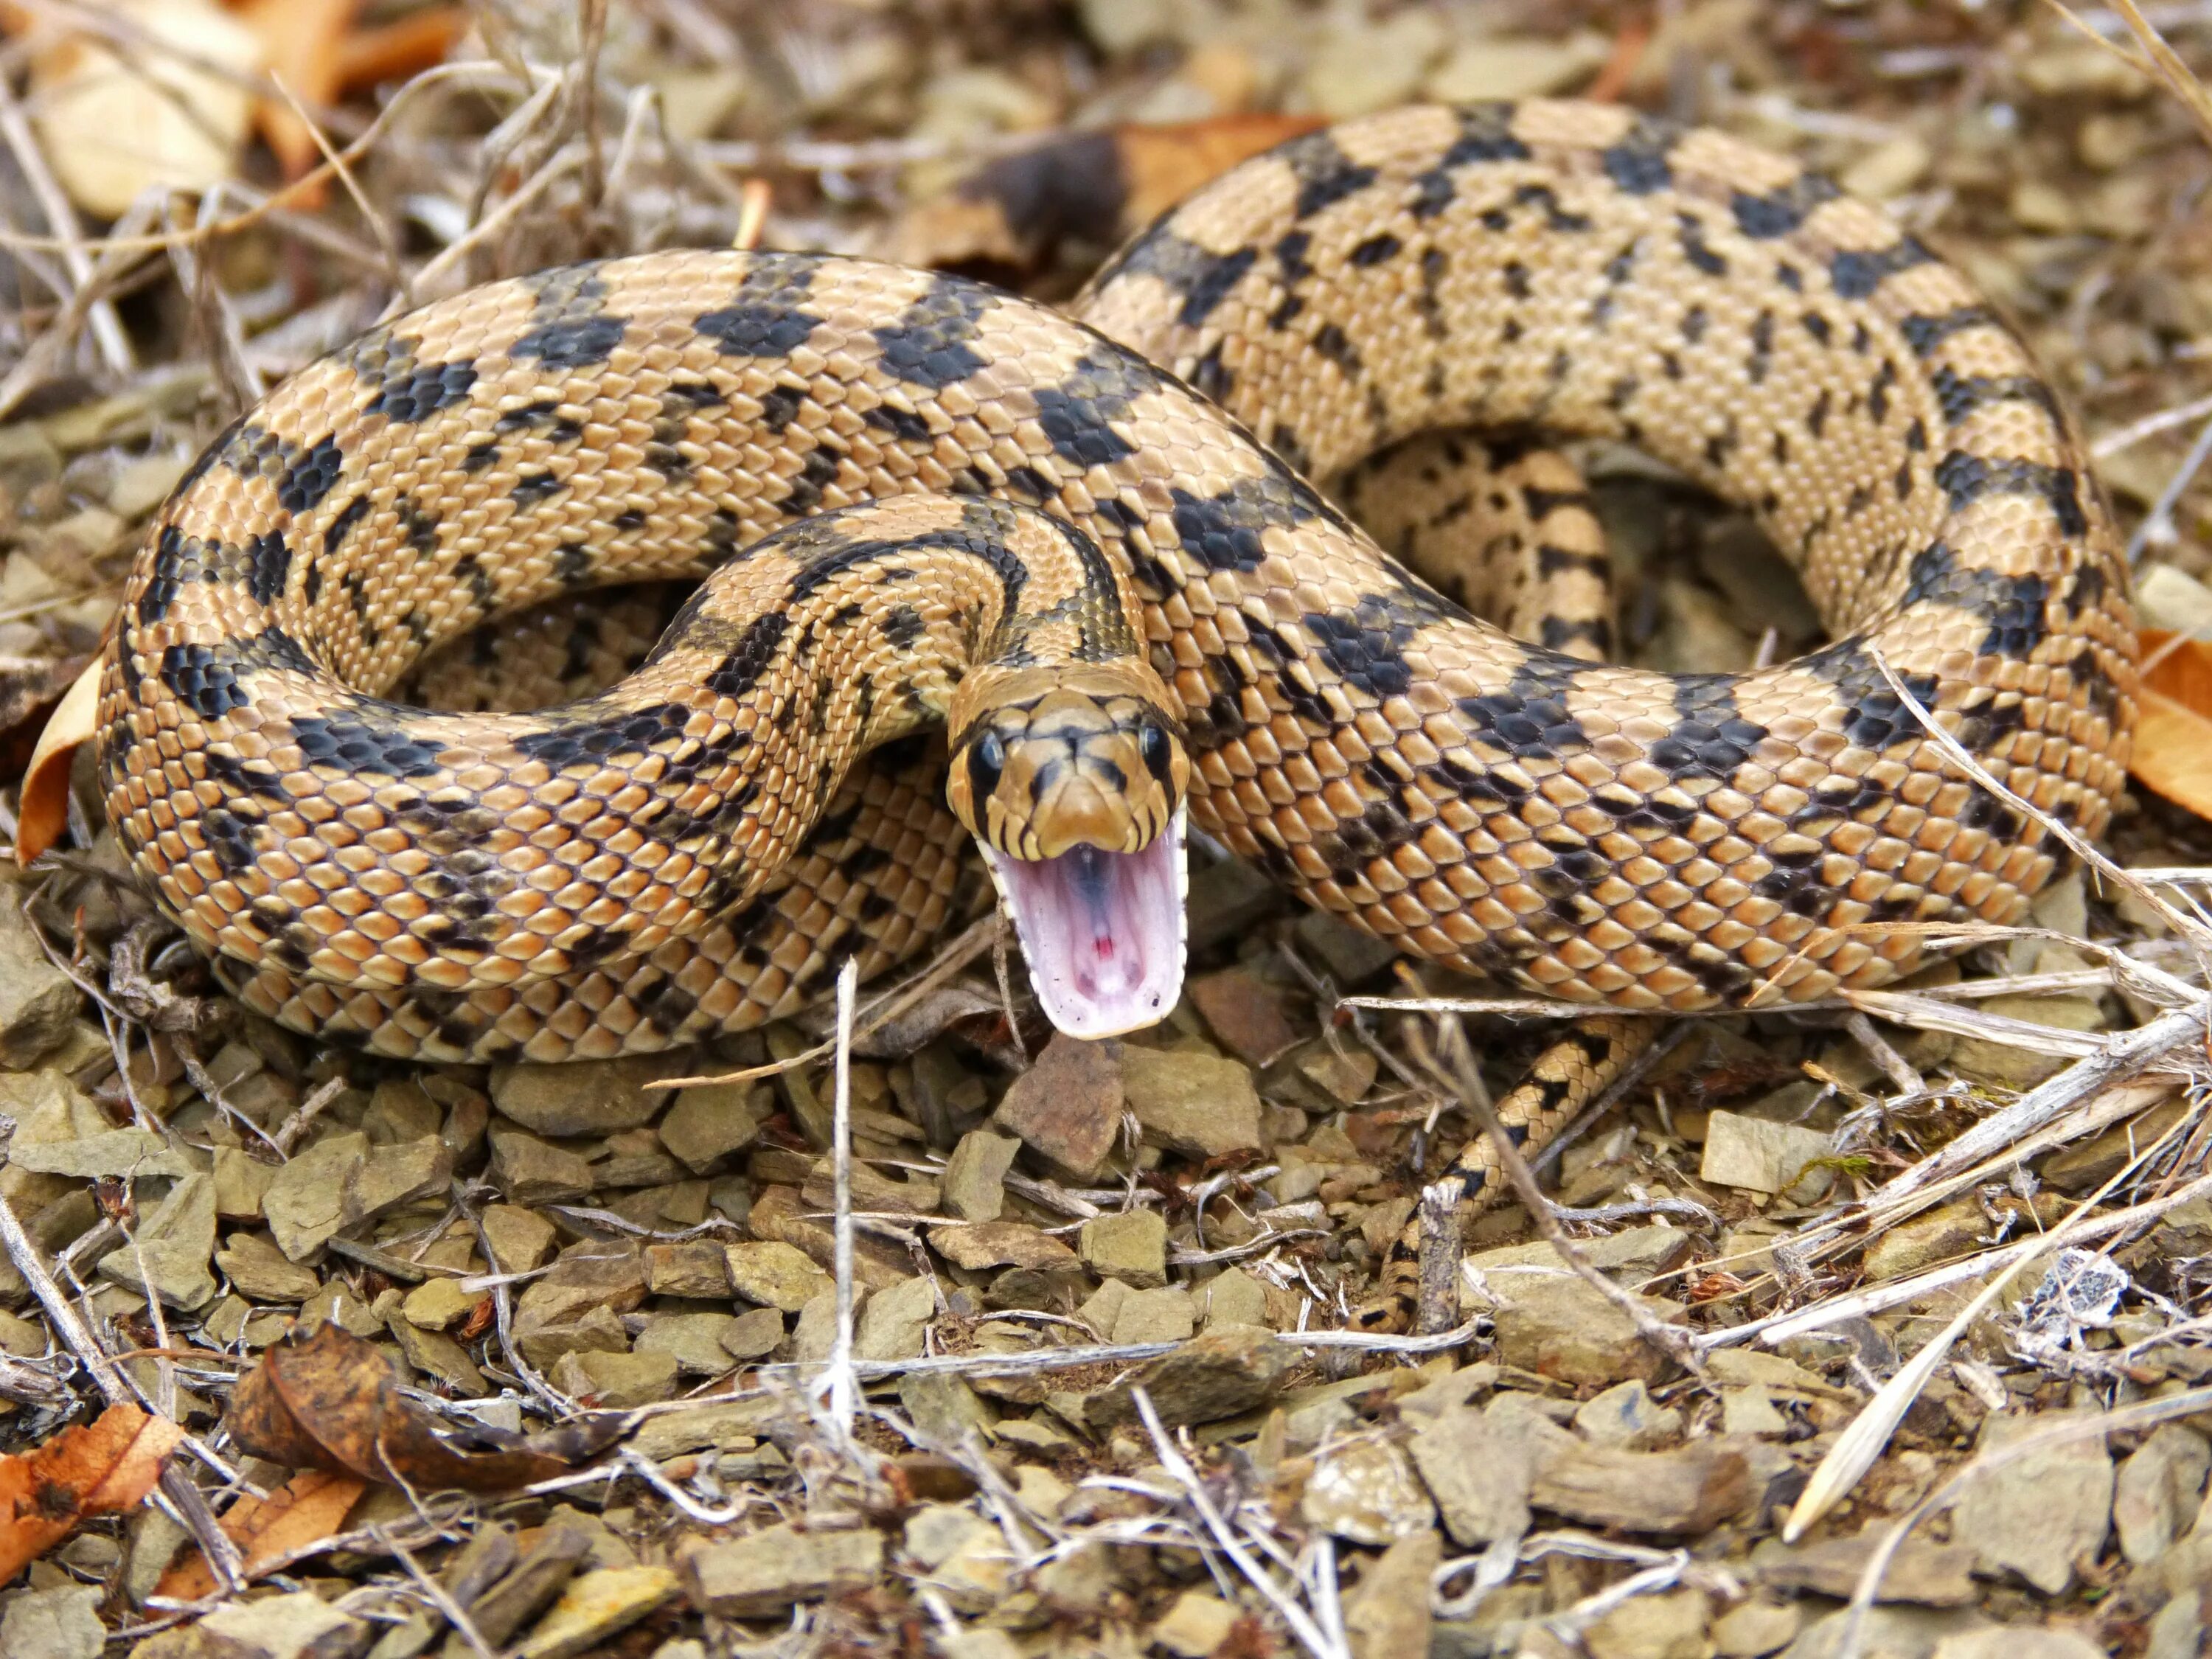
(2173, 725)
(101, 1468)
(405, 46)
(44, 811)
(302, 42)
(313, 1504)
(329, 1400)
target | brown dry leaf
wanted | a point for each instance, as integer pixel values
(2173, 728)
(101, 1468)
(114, 121)
(303, 45)
(43, 812)
(329, 1400)
(405, 46)
(313, 1504)
(1161, 165)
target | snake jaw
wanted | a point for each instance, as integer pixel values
(1103, 933)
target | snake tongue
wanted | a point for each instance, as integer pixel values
(1103, 933)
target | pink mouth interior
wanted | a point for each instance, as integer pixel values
(1102, 932)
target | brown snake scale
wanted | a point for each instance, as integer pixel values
(680, 856)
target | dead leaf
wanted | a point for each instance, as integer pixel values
(2173, 725)
(303, 45)
(42, 812)
(102, 1467)
(116, 121)
(329, 1400)
(313, 1504)
(405, 46)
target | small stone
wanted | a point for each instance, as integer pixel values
(1889, 169)
(1941, 1234)
(1365, 1491)
(1245, 1014)
(306, 1203)
(1631, 1256)
(60, 1622)
(2090, 1163)
(521, 1239)
(437, 1355)
(1224, 1373)
(1753, 1628)
(1995, 1062)
(2166, 597)
(1559, 1327)
(1480, 1470)
(1751, 1411)
(963, 1556)
(617, 1380)
(1194, 1626)
(1668, 1625)
(976, 1175)
(1931, 1575)
(2019, 1642)
(985, 1244)
(1199, 1104)
(167, 1256)
(763, 1574)
(1388, 1617)
(580, 1098)
(597, 1330)
(776, 1274)
(390, 1177)
(698, 1268)
(1762, 1156)
(334, 1304)
(1490, 68)
(299, 1625)
(1625, 1415)
(1225, 899)
(2178, 1629)
(944, 1408)
(593, 1274)
(257, 1268)
(597, 1606)
(37, 1001)
(1131, 1246)
(1159, 1315)
(400, 1110)
(1067, 1107)
(1687, 1491)
(2042, 1514)
(710, 1120)
(754, 1334)
(439, 1303)
(698, 1342)
(531, 1171)
(893, 1324)
(239, 1184)
(1233, 1296)
(1351, 954)
(2158, 1491)
(1886, 1633)
(122, 1154)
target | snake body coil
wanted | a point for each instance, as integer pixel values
(685, 855)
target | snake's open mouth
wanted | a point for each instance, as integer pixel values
(1103, 933)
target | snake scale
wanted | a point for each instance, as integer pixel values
(929, 500)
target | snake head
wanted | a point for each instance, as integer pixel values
(1076, 793)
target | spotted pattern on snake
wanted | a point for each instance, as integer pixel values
(556, 883)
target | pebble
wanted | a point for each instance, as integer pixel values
(2158, 1491)
(1067, 1107)
(257, 1269)
(1233, 1296)
(582, 1098)
(1225, 900)
(617, 1380)
(2020, 1642)
(776, 1274)
(593, 1274)
(1760, 1156)
(944, 1408)
(1388, 1616)
(1245, 1013)
(1480, 1470)
(963, 1557)
(1557, 1326)
(1351, 954)
(1686, 1490)
(439, 1304)
(521, 1239)
(1755, 1627)
(695, 1267)
(1625, 1415)
(1631, 1255)
(438, 1355)
(1365, 1491)
(1203, 1105)
(37, 1001)
(1195, 1625)
(60, 1622)
(754, 1333)
(111, 1153)
(390, 1177)
(531, 1172)
(894, 1322)
(240, 1182)
(980, 1245)
(2169, 599)
(975, 1182)
(596, 1606)
(713, 1119)
(1929, 1575)
(2003, 1065)
(698, 1342)
(1667, 1626)
(2042, 1515)
(1374, 65)
(1489, 68)
(1166, 1315)
(1889, 169)
(172, 1249)
(1224, 1373)
(1131, 1246)
(767, 1571)
(299, 1625)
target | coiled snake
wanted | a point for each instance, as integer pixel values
(1089, 544)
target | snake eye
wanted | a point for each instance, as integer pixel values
(987, 760)
(1153, 744)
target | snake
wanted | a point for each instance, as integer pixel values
(1058, 583)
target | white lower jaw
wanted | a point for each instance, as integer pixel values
(1103, 933)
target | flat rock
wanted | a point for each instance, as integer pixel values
(393, 1176)
(439, 1303)
(2007, 1066)
(37, 1001)
(257, 1269)
(582, 1098)
(1630, 1256)
(2020, 1642)
(2042, 1515)
(1194, 1626)
(61, 1622)
(168, 1254)
(1668, 1625)
(1687, 1491)
(617, 1380)
(1760, 1156)
(2158, 1491)
(1132, 1247)
(1388, 1617)
(762, 1575)
(893, 1322)
(711, 1121)
(1233, 1296)
(532, 1171)
(754, 1334)
(521, 1239)
(1245, 1013)
(1224, 1373)
(1625, 1415)
(976, 1175)
(1365, 1491)
(695, 1267)
(299, 1625)
(1556, 1325)
(122, 1154)
(1479, 1469)
(776, 1274)
(435, 1355)
(240, 1182)
(597, 1606)
(1902, 1632)
(595, 1273)
(1204, 1105)
(984, 1244)
(1929, 1575)
(1166, 1314)
(1754, 1627)
(1067, 1107)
